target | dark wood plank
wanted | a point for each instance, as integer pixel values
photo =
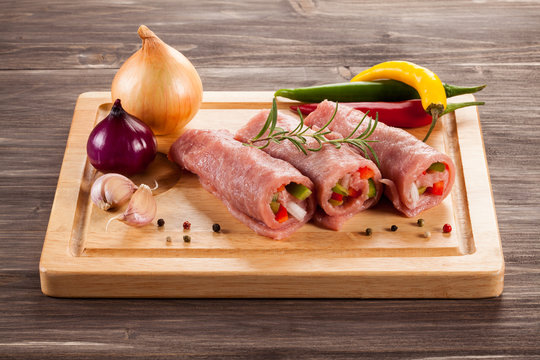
(290, 328)
(95, 34)
(52, 51)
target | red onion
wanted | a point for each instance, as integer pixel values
(121, 143)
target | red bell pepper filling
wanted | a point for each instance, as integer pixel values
(337, 197)
(354, 193)
(437, 188)
(282, 215)
(366, 173)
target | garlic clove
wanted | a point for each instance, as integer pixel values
(118, 190)
(97, 195)
(112, 190)
(141, 209)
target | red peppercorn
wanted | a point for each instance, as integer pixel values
(447, 228)
(187, 225)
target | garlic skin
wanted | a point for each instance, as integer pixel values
(158, 85)
(112, 190)
(141, 209)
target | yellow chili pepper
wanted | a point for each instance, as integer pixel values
(426, 82)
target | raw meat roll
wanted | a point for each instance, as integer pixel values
(250, 183)
(417, 176)
(345, 182)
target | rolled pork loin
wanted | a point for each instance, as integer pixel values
(325, 168)
(245, 179)
(417, 177)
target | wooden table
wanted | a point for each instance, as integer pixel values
(52, 51)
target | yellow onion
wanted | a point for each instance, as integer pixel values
(158, 85)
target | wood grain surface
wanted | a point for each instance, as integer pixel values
(52, 51)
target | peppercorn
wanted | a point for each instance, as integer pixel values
(369, 231)
(427, 234)
(168, 239)
(447, 228)
(160, 222)
(420, 222)
(393, 228)
(187, 238)
(187, 225)
(216, 227)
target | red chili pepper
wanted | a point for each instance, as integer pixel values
(282, 215)
(366, 173)
(437, 189)
(281, 188)
(405, 114)
(336, 196)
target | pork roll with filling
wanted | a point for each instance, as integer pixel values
(252, 184)
(417, 176)
(345, 182)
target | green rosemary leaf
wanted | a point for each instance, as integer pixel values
(303, 128)
(298, 136)
(296, 143)
(264, 128)
(320, 142)
(367, 129)
(274, 117)
(375, 157)
(374, 126)
(265, 145)
(300, 123)
(279, 133)
(302, 139)
(331, 119)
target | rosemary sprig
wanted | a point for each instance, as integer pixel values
(298, 136)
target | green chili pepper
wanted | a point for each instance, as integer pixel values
(378, 90)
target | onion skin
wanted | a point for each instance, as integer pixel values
(121, 143)
(158, 85)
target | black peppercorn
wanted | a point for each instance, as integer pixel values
(187, 238)
(160, 222)
(216, 227)
(393, 228)
(369, 231)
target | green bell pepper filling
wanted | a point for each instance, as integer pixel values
(274, 205)
(335, 202)
(339, 189)
(438, 166)
(372, 191)
(299, 191)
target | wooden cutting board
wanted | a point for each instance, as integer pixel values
(81, 259)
